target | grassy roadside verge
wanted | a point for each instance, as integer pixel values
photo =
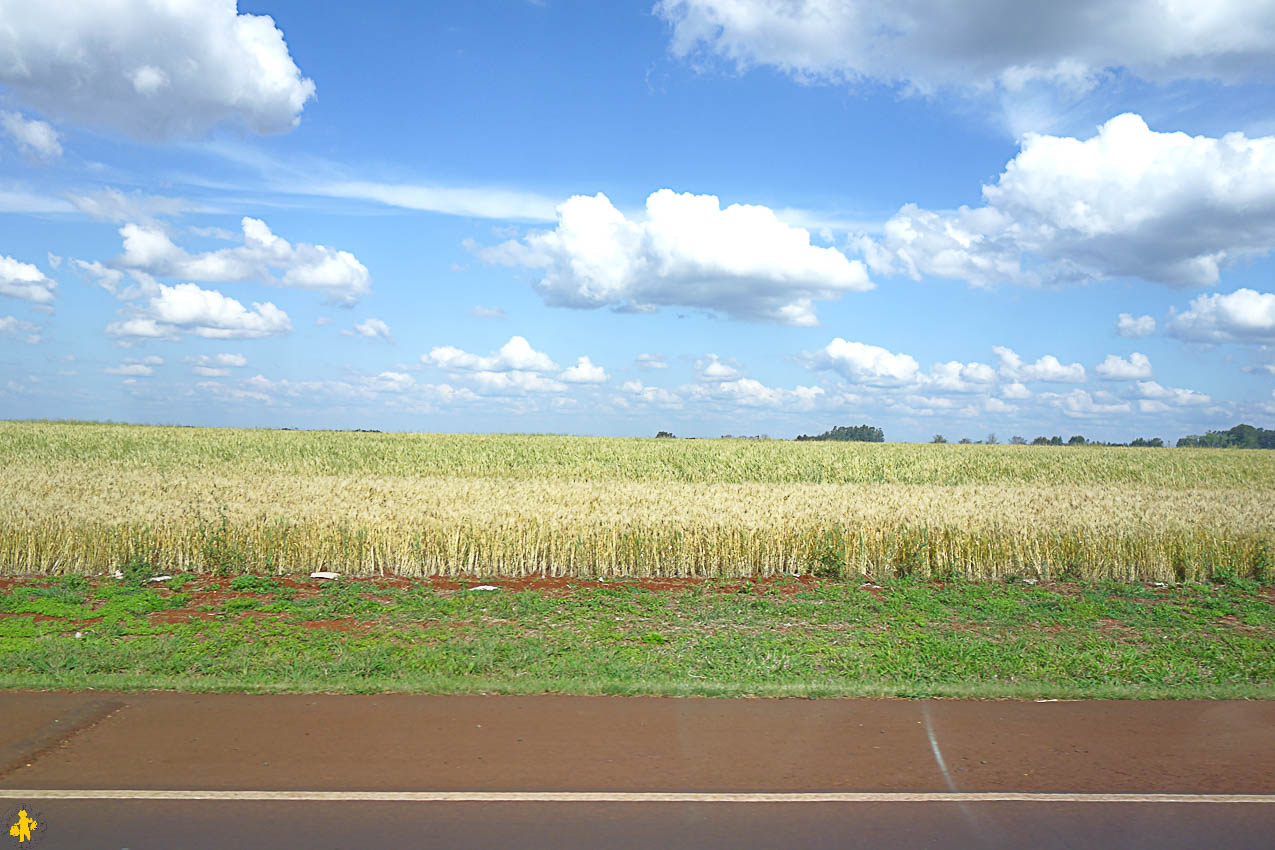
(787, 637)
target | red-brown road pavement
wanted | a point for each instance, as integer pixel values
(891, 772)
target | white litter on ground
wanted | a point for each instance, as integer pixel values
(325, 575)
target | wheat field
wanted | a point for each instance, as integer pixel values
(88, 498)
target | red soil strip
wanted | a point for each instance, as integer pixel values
(343, 624)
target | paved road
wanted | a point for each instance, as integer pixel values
(484, 745)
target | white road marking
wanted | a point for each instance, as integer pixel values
(627, 796)
(934, 747)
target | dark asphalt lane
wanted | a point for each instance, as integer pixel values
(310, 826)
(487, 743)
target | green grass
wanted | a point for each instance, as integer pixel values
(783, 638)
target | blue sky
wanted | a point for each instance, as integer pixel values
(703, 216)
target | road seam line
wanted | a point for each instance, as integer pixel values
(628, 796)
(20, 753)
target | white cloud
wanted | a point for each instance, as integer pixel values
(516, 382)
(974, 245)
(955, 376)
(394, 388)
(473, 202)
(1132, 327)
(29, 331)
(515, 355)
(55, 261)
(652, 395)
(651, 361)
(216, 365)
(1016, 390)
(1243, 316)
(111, 204)
(713, 368)
(1047, 368)
(860, 363)
(371, 329)
(746, 392)
(25, 281)
(741, 261)
(1172, 395)
(994, 405)
(1129, 201)
(481, 312)
(1116, 368)
(930, 44)
(336, 274)
(133, 369)
(151, 68)
(34, 138)
(215, 388)
(585, 372)
(1079, 403)
(185, 308)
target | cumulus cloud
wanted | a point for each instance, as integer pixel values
(370, 329)
(741, 261)
(713, 368)
(397, 388)
(651, 361)
(931, 44)
(216, 365)
(1132, 327)
(1047, 368)
(1129, 201)
(514, 368)
(1081, 404)
(1116, 368)
(746, 392)
(131, 369)
(1171, 395)
(186, 308)
(955, 376)
(585, 372)
(336, 274)
(516, 382)
(1243, 316)
(28, 331)
(861, 363)
(34, 138)
(515, 355)
(651, 395)
(151, 68)
(25, 281)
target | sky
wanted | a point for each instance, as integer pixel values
(709, 217)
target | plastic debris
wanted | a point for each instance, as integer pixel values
(485, 587)
(159, 578)
(323, 574)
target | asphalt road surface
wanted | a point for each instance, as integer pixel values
(194, 770)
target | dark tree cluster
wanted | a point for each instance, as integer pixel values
(1081, 440)
(849, 433)
(1239, 437)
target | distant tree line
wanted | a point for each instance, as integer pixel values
(849, 433)
(1239, 437)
